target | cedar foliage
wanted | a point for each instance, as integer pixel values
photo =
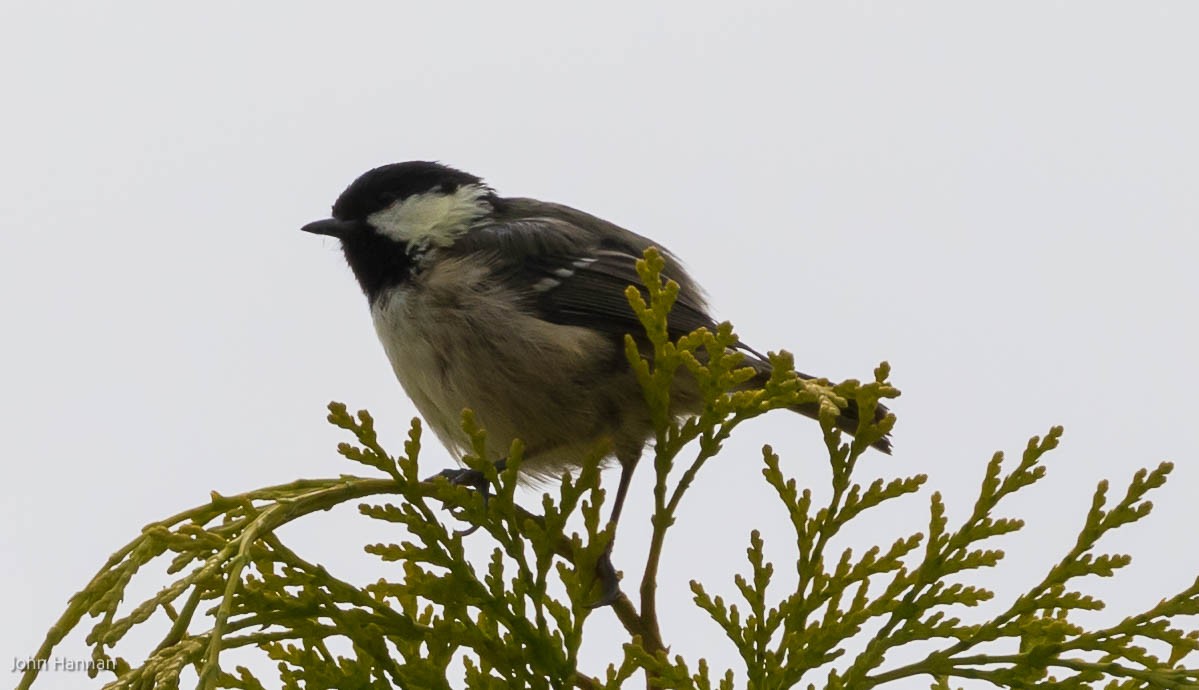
(518, 619)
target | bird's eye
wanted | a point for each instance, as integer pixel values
(386, 200)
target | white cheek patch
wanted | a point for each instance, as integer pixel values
(433, 218)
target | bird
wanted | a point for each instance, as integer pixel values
(516, 309)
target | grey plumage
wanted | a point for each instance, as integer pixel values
(525, 243)
(516, 309)
(473, 331)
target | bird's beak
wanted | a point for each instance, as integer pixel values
(331, 227)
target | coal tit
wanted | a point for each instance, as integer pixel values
(516, 309)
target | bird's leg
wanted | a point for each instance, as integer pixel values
(473, 479)
(605, 572)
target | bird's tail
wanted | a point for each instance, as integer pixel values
(847, 421)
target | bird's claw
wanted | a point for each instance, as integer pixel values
(605, 572)
(609, 581)
(465, 477)
(469, 478)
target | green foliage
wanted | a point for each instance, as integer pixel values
(517, 619)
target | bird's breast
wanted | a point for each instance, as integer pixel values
(417, 348)
(460, 344)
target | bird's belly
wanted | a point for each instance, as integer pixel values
(523, 377)
(420, 364)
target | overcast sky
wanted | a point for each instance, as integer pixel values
(999, 200)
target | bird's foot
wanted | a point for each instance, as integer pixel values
(608, 579)
(464, 477)
(470, 478)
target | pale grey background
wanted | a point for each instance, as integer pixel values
(999, 199)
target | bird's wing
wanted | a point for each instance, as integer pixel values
(571, 276)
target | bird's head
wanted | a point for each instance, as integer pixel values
(393, 213)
